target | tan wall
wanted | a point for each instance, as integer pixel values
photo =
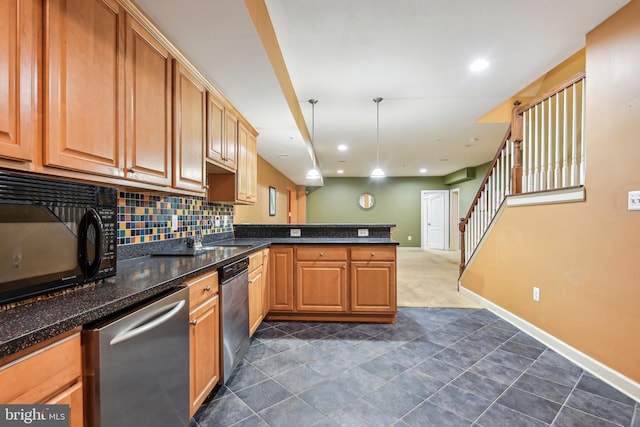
(583, 256)
(268, 176)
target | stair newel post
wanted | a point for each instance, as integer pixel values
(462, 226)
(516, 137)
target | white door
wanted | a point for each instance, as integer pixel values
(435, 221)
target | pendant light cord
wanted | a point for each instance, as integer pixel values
(313, 103)
(377, 101)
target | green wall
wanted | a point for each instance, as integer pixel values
(397, 202)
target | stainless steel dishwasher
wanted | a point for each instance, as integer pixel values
(137, 366)
(234, 294)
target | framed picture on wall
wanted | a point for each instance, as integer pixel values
(272, 201)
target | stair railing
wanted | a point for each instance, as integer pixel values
(542, 150)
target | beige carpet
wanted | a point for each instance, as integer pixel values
(429, 279)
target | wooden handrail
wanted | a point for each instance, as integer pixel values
(515, 134)
(505, 141)
(548, 94)
(464, 221)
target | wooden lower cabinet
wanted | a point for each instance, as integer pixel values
(204, 338)
(258, 288)
(52, 373)
(73, 397)
(281, 278)
(373, 286)
(333, 283)
(321, 286)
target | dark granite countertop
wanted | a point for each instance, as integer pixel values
(138, 280)
(327, 241)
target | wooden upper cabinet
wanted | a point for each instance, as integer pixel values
(20, 35)
(84, 85)
(221, 134)
(247, 165)
(189, 130)
(148, 107)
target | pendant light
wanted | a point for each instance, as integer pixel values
(377, 172)
(313, 172)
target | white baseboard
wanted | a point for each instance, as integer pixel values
(598, 369)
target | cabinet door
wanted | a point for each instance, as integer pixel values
(148, 107)
(20, 34)
(231, 140)
(204, 351)
(84, 80)
(215, 127)
(251, 171)
(247, 165)
(321, 286)
(189, 130)
(72, 397)
(373, 286)
(281, 278)
(241, 175)
(255, 299)
(265, 283)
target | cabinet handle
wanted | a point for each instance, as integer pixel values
(250, 281)
(344, 266)
(194, 322)
(131, 170)
(321, 254)
(207, 289)
(373, 254)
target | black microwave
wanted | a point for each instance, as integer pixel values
(54, 234)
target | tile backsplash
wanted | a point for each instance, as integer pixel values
(146, 217)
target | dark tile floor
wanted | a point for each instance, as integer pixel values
(433, 367)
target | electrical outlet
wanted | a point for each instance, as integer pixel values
(363, 232)
(174, 222)
(408, 237)
(634, 201)
(536, 293)
(216, 220)
(295, 232)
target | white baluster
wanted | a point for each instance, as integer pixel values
(582, 139)
(549, 145)
(565, 142)
(574, 138)
(543, 147)
(556, 173)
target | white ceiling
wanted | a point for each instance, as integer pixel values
(413, 53)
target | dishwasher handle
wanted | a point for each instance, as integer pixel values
(141, 329)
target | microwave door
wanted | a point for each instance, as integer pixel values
(37, 243)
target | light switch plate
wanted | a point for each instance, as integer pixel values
(634, 200)
(174, 222)
(295, 232)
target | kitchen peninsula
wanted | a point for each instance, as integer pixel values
(329, 272)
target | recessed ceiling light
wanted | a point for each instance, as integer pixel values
(342, 147)
(479, 65)
(284, 156)
(340, 171)
(423, 170)
(444, 160)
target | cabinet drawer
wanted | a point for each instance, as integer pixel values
(37, 377)
(321, 253)
(255, 260)
(202, 288)
(373, 253)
